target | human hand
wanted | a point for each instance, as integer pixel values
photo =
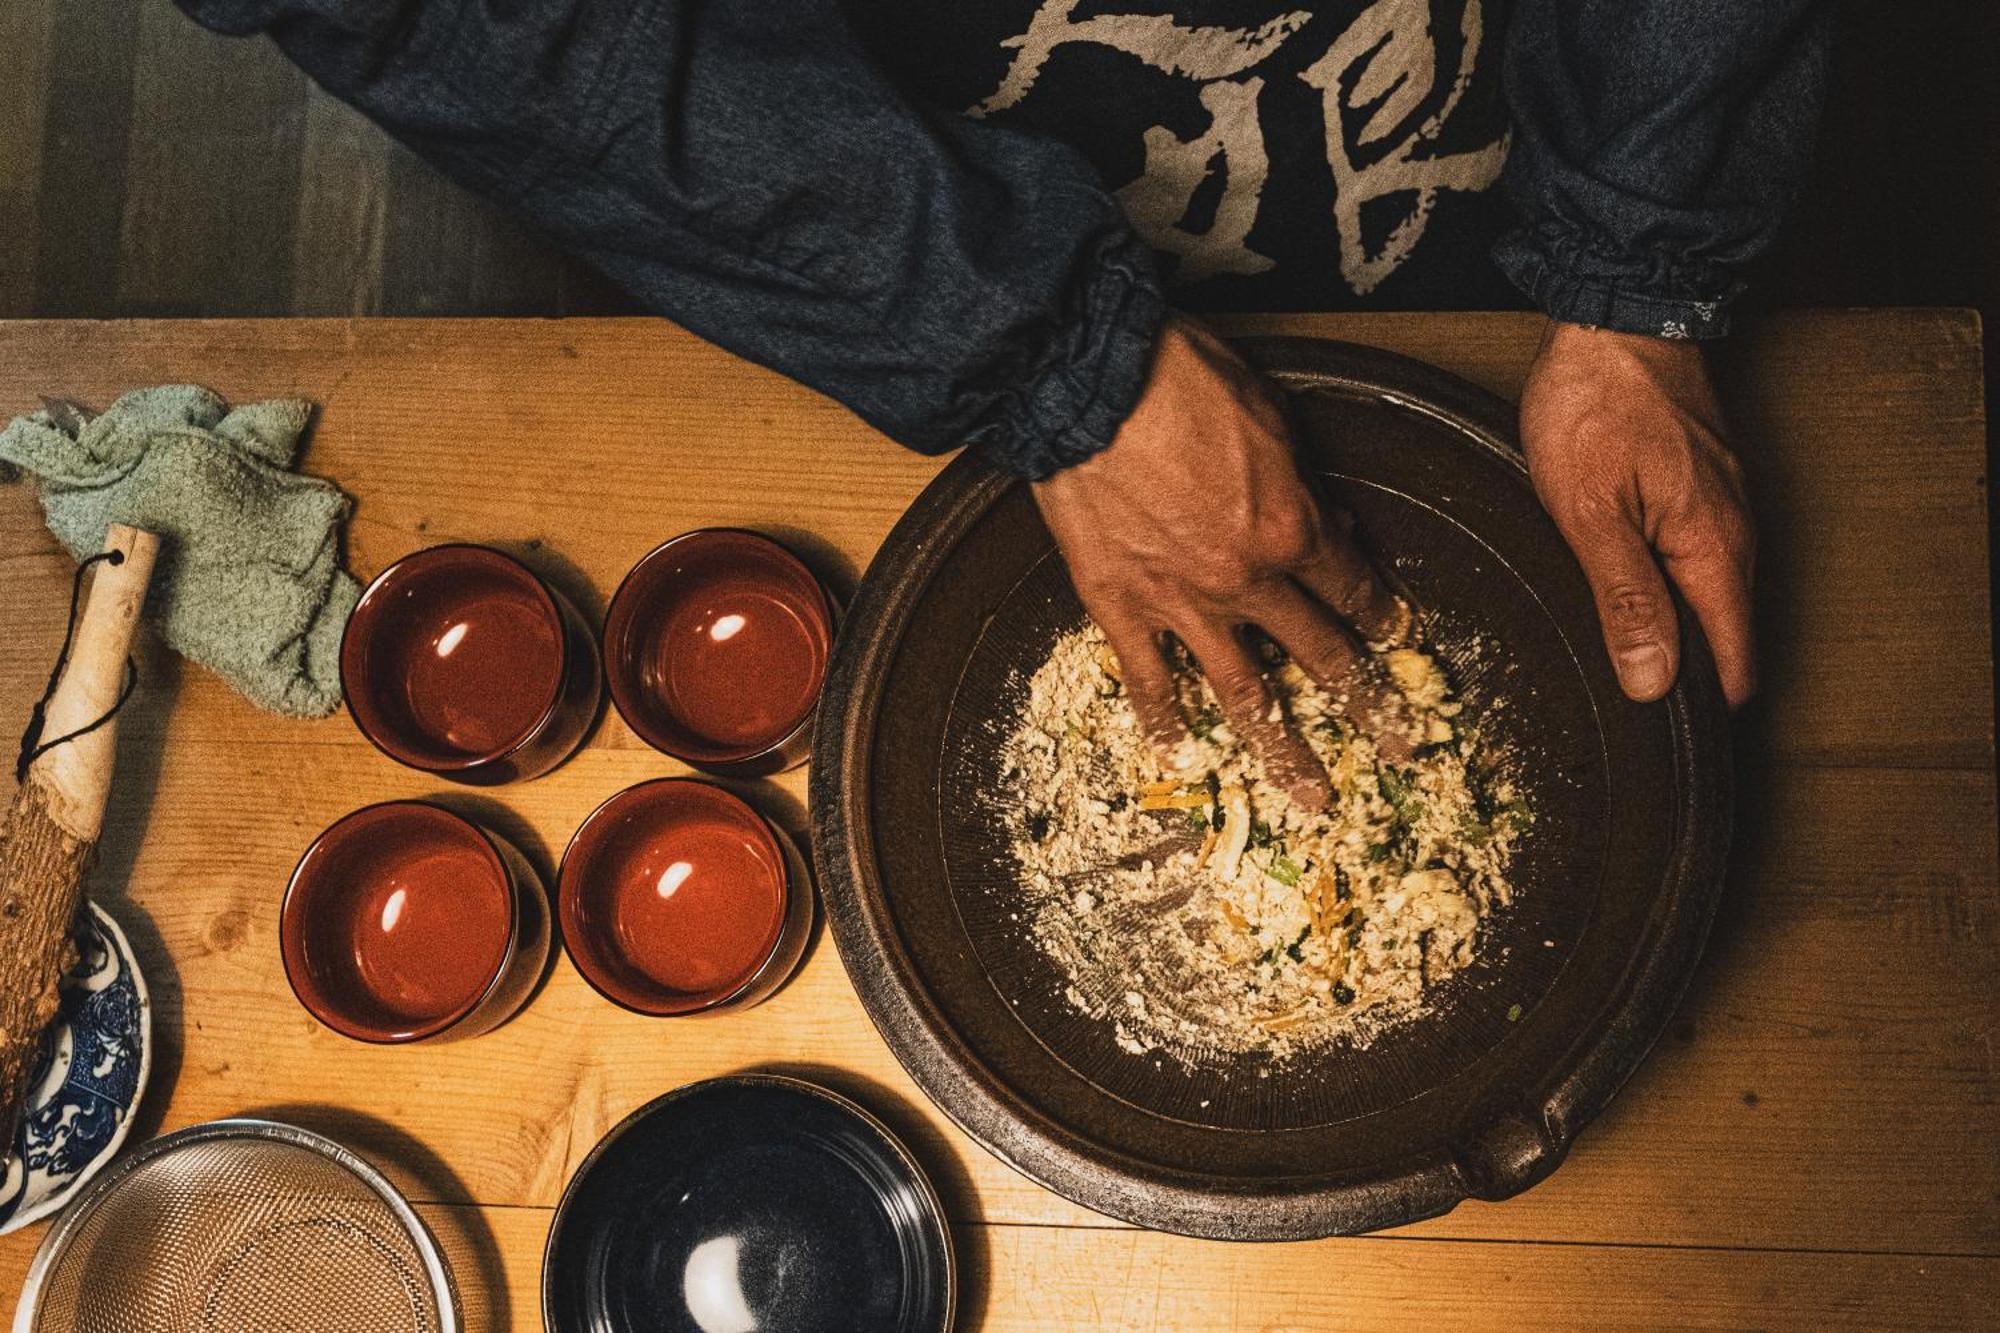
(1196, 522)
(1624, 439)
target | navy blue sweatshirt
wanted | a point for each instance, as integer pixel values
(965, 219)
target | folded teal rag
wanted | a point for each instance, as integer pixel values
(249, 582)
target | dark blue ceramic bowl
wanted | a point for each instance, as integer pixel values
(753, 1204)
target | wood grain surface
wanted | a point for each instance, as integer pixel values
(1813, 1145)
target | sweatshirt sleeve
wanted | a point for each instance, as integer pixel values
(1657, 144)
(745, 169)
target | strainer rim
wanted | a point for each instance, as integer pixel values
(237, 1128)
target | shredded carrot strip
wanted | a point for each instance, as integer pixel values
(1207, 846)
(1193, 800)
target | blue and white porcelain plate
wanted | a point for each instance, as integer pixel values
(88, 1077)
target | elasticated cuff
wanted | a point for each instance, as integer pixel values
(1604, 301)
(1095, 369)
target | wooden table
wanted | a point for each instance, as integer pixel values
(1814, 1144)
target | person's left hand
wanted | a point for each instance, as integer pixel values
(1624, 440)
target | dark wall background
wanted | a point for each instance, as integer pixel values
(150, 168)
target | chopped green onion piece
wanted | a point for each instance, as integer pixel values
(1514, 1013)
(1399, 789)
(1285, 871)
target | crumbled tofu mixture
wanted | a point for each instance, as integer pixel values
(1205, 915)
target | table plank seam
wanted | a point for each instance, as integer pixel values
(1858, 1252)
(1778, 765)
(1378, 1236)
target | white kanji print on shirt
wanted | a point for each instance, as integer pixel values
(1374, 80)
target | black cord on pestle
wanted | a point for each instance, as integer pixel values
(33, 747)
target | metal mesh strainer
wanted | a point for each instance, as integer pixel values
(239, 1226)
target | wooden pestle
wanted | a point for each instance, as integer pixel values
(58, 810)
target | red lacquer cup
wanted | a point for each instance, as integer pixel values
(716, 649)
(459, 660)
(405, 922)
(676, 897)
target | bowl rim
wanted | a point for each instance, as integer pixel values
(60, 1198)
(933, 1202)
(287, 937)
(624, 698)
(789, 860)
(444, 1289)
(552, 601)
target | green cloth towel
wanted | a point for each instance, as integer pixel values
(249, 582)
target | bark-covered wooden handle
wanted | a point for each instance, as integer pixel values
(58, 810)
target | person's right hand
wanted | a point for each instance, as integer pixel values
(1196, 522)
(1625, 442)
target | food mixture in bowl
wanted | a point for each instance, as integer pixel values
(1206, 915)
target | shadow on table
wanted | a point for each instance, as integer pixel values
(789, 814)
(141, 750)
(461, 1230)
(1732, 939)
(495, 814)
(563, 574)
(828, 562)
(568, 578)
(947, 1174)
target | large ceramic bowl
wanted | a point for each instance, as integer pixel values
(88, 1078)
(1481, 1096)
